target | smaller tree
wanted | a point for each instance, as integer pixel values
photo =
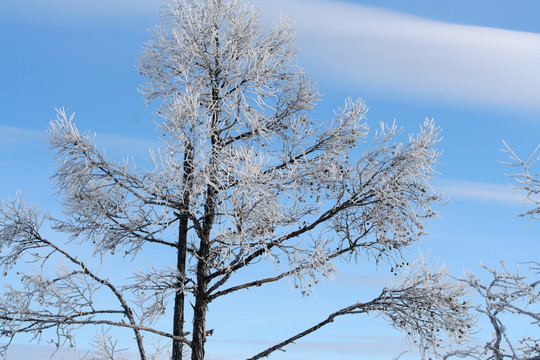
(510, 294)
(507, 293)
(527, 179)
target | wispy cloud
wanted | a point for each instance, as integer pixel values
(355, 45)
(10, 136)
(480, 191)
(411, 56)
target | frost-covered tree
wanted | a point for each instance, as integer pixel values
(510, 294)
(506, 295)
(528, 179)
(244, 176)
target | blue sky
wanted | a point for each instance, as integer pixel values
(471, 65)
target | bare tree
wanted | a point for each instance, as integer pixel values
(244, 176)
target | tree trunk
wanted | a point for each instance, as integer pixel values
(199, 326)
(201, 296)
(179, 299)
(178, 317)
(201, 303)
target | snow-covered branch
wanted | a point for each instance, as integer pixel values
(528, 179)
(507, 293)
(425, 304)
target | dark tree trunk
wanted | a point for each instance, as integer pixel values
(178, 325)
(201, 296)
(199, 322)
(179, 299)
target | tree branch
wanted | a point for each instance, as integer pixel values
(66, 320)
(357, 308)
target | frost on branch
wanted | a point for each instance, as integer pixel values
(527, 180)
(391, 182)
(427, 304)
(50, 305)
(507, 294)
(424, 303)
(19, 225)
(508, 298)
(108, 204)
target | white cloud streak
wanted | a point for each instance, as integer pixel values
(359, 46)
(480, 191)
(10, 136)
(409, 56)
